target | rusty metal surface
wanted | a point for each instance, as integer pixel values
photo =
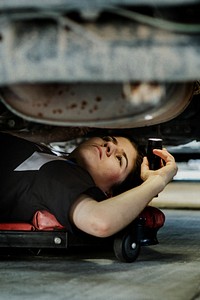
(97, 105)
(116, 49)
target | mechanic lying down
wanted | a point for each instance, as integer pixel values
(80, 190)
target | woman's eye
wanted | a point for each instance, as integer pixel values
(107, 138)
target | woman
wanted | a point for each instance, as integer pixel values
(73, 190)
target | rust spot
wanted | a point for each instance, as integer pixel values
(95, 107)
(83, 104)
(38, 104)
(1, 37)
(74, 105)
(45, 104)
(136, 85)
(57, 111)
(40, 115)
(98, 99)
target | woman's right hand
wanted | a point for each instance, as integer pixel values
(167, 171)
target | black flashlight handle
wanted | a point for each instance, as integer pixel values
(154, 160)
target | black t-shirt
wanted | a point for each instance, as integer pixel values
(32, 178)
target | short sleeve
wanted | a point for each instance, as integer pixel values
(58, 185)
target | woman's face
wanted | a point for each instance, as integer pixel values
(109, 160)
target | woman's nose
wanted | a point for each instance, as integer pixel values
(110, 148)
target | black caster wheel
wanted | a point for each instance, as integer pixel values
(126, 248)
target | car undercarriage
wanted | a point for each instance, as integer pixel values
(69, 68)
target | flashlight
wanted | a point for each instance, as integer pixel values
(154, 160)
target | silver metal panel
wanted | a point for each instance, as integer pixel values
(68, 4)
(47, 52)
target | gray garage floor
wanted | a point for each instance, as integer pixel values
(170, 270)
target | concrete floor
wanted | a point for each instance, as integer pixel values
(179, 194)
(169, 270)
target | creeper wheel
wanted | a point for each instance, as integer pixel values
(126, 247)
